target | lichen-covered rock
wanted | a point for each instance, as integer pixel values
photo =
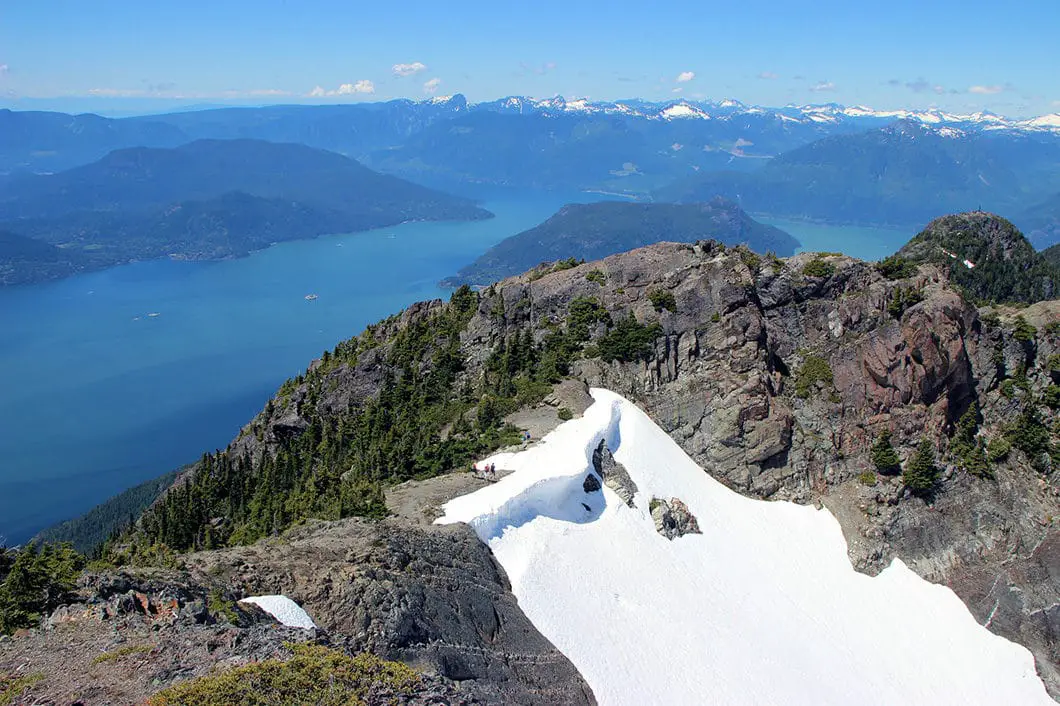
(672, 518)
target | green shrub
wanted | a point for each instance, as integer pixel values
(629, 340)
(1008, 388)
(36, 581)
(750, 259)
(569, 264)
(1030, 435)
(117, 654)
(998, 449)
(884, 457)
(596, 276)
(13, 686)
(966, 448)
(1023, 331)
(903, 298)
(662, 299)
(583, 314)
(895, 267)
(564, 414)
(1051, 397)
(814, 370)
(715, 317)
(818, 268)
(1052, 328)
(314, 675)
(867, 478)
(991, 319)
(220, 607)
(921, 475)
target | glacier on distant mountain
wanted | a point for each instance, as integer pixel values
(823, 114)
(762, 607)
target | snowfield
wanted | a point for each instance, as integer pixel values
(286, 611)
(762, 608)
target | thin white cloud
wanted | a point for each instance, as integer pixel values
(362, 86)
(685, 76)
(822, 87)
(432, 85)
(117, 92)
(346, 89)
(768, 76)
(677, 89)
(402, 70)
(986, 90)
(3, 69)
(166, 90)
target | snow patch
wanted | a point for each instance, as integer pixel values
(286, 611)
(762, 607)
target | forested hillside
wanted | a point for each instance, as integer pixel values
(593, 231)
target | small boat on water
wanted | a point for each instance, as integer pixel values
(311, 297)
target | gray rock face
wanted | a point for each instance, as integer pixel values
(672, 518)
(614, 473)
(430, 596)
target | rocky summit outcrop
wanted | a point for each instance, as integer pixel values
(432, 597)
(778, 375)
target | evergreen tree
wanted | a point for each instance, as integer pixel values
(884, 457)
(921, 475)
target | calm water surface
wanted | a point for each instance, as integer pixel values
(114, 377)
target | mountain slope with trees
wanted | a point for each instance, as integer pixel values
(987, 257)
(593, 231)
(207, 199)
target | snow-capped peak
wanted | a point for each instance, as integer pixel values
(824, 115)
(1045, 121)
(682, 110)
(758, 604)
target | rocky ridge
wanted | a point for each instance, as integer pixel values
(776, 376)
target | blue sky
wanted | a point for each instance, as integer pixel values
(124, 54)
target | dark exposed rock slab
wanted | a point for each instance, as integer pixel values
(614, 473)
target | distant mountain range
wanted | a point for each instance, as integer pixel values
(693, 133)
(827, 163)
(902, 174)
(207, 199)
(593, 231)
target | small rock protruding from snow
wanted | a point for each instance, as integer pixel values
(614, 473)
(286, 611)
(672, 518)
(591, 484)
